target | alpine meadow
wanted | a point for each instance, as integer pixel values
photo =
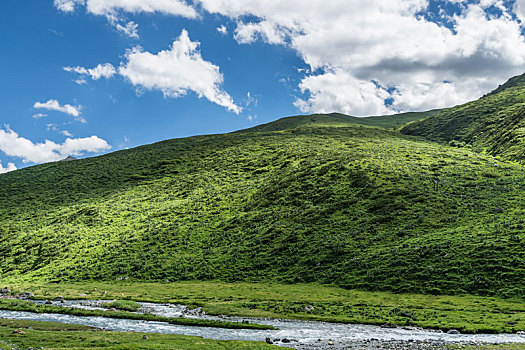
(201, 174)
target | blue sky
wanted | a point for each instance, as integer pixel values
(250, 62)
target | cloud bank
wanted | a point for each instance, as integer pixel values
(364, 56)
(363, 53)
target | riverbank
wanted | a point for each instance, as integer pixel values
(21, 334)
(24, 334)
(467, 314)
(28, 306)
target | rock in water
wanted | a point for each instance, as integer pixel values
(389, 325)
(25, 295)
(60, 299)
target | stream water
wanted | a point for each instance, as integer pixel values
(300, 334)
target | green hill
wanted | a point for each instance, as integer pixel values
(328, 200)
(339, 119)
(494, 124)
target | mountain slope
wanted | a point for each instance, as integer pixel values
(339, 119)
(351, 205)
(494, 123)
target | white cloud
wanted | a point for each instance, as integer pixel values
(247, 33)
(8, 168)
(222, 29)
(67, 5)
(79, 70)
(101, 71)
(381, 49)
(66, 133)
(39, 115)
(251, 100)
(167, 7)
(329, 93)
(112, 10)
(176, 72)
(104, 7)
(14, 145)
(52, 126)
(519, 9)
(54, 105)
(80, 81)
(129, 29)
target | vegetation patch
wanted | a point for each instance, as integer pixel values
(125, 305)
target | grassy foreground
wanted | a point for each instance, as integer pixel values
(468, 314)
(51, 336)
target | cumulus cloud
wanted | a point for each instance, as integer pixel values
(385, 50)
(14, 145)
(177, 71)
(329, 93)
(54, 105)
(8, 168)
(101, 71)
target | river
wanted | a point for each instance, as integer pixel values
(300, 334)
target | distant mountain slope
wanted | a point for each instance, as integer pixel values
(338, 119)
(494, 123)
(355, 206)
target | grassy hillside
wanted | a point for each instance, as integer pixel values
(350, 205)
(494, 124)
(338, 119)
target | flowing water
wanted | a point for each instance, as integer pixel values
(300, 334)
